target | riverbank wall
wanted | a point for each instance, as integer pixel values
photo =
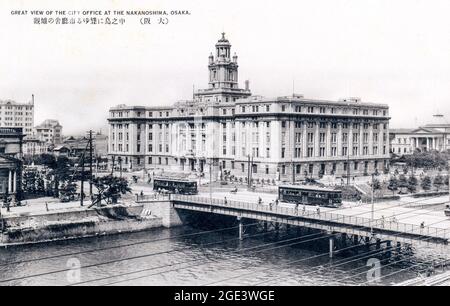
(86, 222)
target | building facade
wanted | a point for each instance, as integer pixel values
(33, 146)
(226, 129)
(49, 131)
(11, 141)
(17, 115)
(431, 137)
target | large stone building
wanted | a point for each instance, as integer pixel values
(434, 136)
(17, 115)
(226, 128)
(11, 141)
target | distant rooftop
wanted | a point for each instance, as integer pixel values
(13, 102)
(48, 123)
(401, 131)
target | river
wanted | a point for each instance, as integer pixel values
(178, 256)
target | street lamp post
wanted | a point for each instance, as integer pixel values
(210, 164)
(372, 203)
(120, 165)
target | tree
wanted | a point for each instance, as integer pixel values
(29, 180)
(438, 181)
(405, 170)
(376, 185)
(393, 184)
(403, 182)
(60, 173)
(47, 160)
(68, 191)
(110, 188)
(426, 183)
(412, 183)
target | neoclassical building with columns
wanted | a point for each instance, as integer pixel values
(227, 129)
(11, 141)
(431, 137)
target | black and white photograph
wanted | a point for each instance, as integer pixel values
(224, 149)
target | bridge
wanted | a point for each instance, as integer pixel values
(330, 221)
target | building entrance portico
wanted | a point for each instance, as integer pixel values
(425, 144)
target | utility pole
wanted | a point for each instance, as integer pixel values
(91, 159)
(82, 182)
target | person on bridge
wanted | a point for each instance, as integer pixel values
(422, 225)
(382, 221)
(225, 201)
(304, 210)
(318, 210)
(259, 201)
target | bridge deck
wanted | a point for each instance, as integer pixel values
(324, 220)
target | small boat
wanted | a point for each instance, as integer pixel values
(447, 210)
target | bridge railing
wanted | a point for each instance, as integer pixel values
(380, 224)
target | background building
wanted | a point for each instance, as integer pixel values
(430, 137)
(49, 131)
(226, 129)
(20, 115)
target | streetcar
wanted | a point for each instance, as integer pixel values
(174, 185)
(310, 195)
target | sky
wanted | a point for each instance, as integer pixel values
(395, 52)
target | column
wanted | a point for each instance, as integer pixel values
(316, 140)
(14, 182)
(9, 181)
(339, 139)
(328, 140)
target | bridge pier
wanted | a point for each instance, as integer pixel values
(367, 243)
(355, 239)
(331, 244)
(378, 244)
(241, 229)
(388, 248)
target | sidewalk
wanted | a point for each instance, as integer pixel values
(37, 206)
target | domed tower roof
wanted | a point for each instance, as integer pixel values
(223, 41)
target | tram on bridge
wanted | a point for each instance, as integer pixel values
(174, 185)
(310, 195)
